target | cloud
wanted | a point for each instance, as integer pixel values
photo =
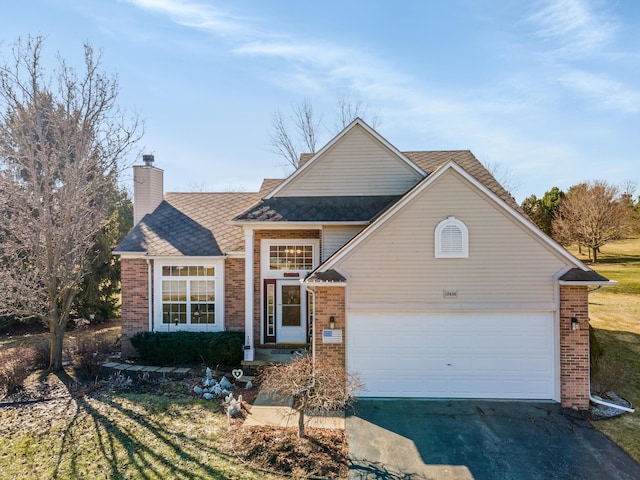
(606, 93)
(197, 15)
(573, 25)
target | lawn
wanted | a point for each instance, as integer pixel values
(615, 316)
(149, 428)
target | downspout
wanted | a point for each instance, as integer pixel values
(598, 400)
(150, 293)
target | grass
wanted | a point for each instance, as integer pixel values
(117, 435)
(615, 316)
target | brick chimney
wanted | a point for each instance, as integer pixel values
(148, 188)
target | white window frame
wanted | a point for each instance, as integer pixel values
(218, 278)
(464, 240)
(265, 263)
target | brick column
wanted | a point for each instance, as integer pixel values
(234, 294)
(329, 302)
(574, 347)
(135, 301)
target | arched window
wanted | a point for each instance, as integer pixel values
(451, 239)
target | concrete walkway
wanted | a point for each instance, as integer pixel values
(273, 410)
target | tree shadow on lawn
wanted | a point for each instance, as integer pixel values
(126, 439)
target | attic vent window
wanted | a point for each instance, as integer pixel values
(451, 239)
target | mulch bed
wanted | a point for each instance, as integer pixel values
(323, 453)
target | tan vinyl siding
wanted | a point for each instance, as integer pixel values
(396, 264)
(357, 165)
(148, 190)
(334, 237)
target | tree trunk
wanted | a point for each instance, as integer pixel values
(56, 338)
(595, 255)
(303, 407)
(301, 423)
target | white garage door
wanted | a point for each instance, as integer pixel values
(486, 355)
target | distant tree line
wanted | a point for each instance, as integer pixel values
(590, 214)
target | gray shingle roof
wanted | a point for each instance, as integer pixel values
(578, 275)
(330, 276)
(190, 224)
(431, 161)
(318, 209)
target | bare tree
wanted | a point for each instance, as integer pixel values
(503, 175)
(592, 214)
(351, 106)
(289, 138)
(62, 138)
(300, 131)
(319, 386)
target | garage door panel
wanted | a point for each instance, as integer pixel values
(489, 355)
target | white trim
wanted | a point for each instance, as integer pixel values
(451, 307)
(218, 264)
(608, 283)
(340, 254)
(266, 272)
(249, 351)
(130, 254)
(334, 141)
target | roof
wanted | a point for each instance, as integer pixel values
(330, 276)
(318, 209)
(190, 224)
(589, 277)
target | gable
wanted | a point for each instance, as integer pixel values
(397, 264)
(357, 164)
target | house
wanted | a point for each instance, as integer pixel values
(416, 269)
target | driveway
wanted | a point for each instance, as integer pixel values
(479, 440)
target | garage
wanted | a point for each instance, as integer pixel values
(496, 355)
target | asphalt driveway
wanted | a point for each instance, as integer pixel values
(479, 440)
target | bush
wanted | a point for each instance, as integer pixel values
(88, 354)
(14, 368)
(41, 354)
(173, 348)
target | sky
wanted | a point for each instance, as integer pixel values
(546, 92)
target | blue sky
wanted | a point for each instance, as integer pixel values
(548, 91)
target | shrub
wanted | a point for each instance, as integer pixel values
(172, 348)
(14, 368)
(88, 354)
(41, 354)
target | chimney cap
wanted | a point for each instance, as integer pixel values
(148, 160)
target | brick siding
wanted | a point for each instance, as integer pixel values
(135, 301)
(329, 302)
(574, 347)
(234, 294)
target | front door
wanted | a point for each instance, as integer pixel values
(289, 324)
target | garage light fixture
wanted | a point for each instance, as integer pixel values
(332, 322)
(574, 324)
